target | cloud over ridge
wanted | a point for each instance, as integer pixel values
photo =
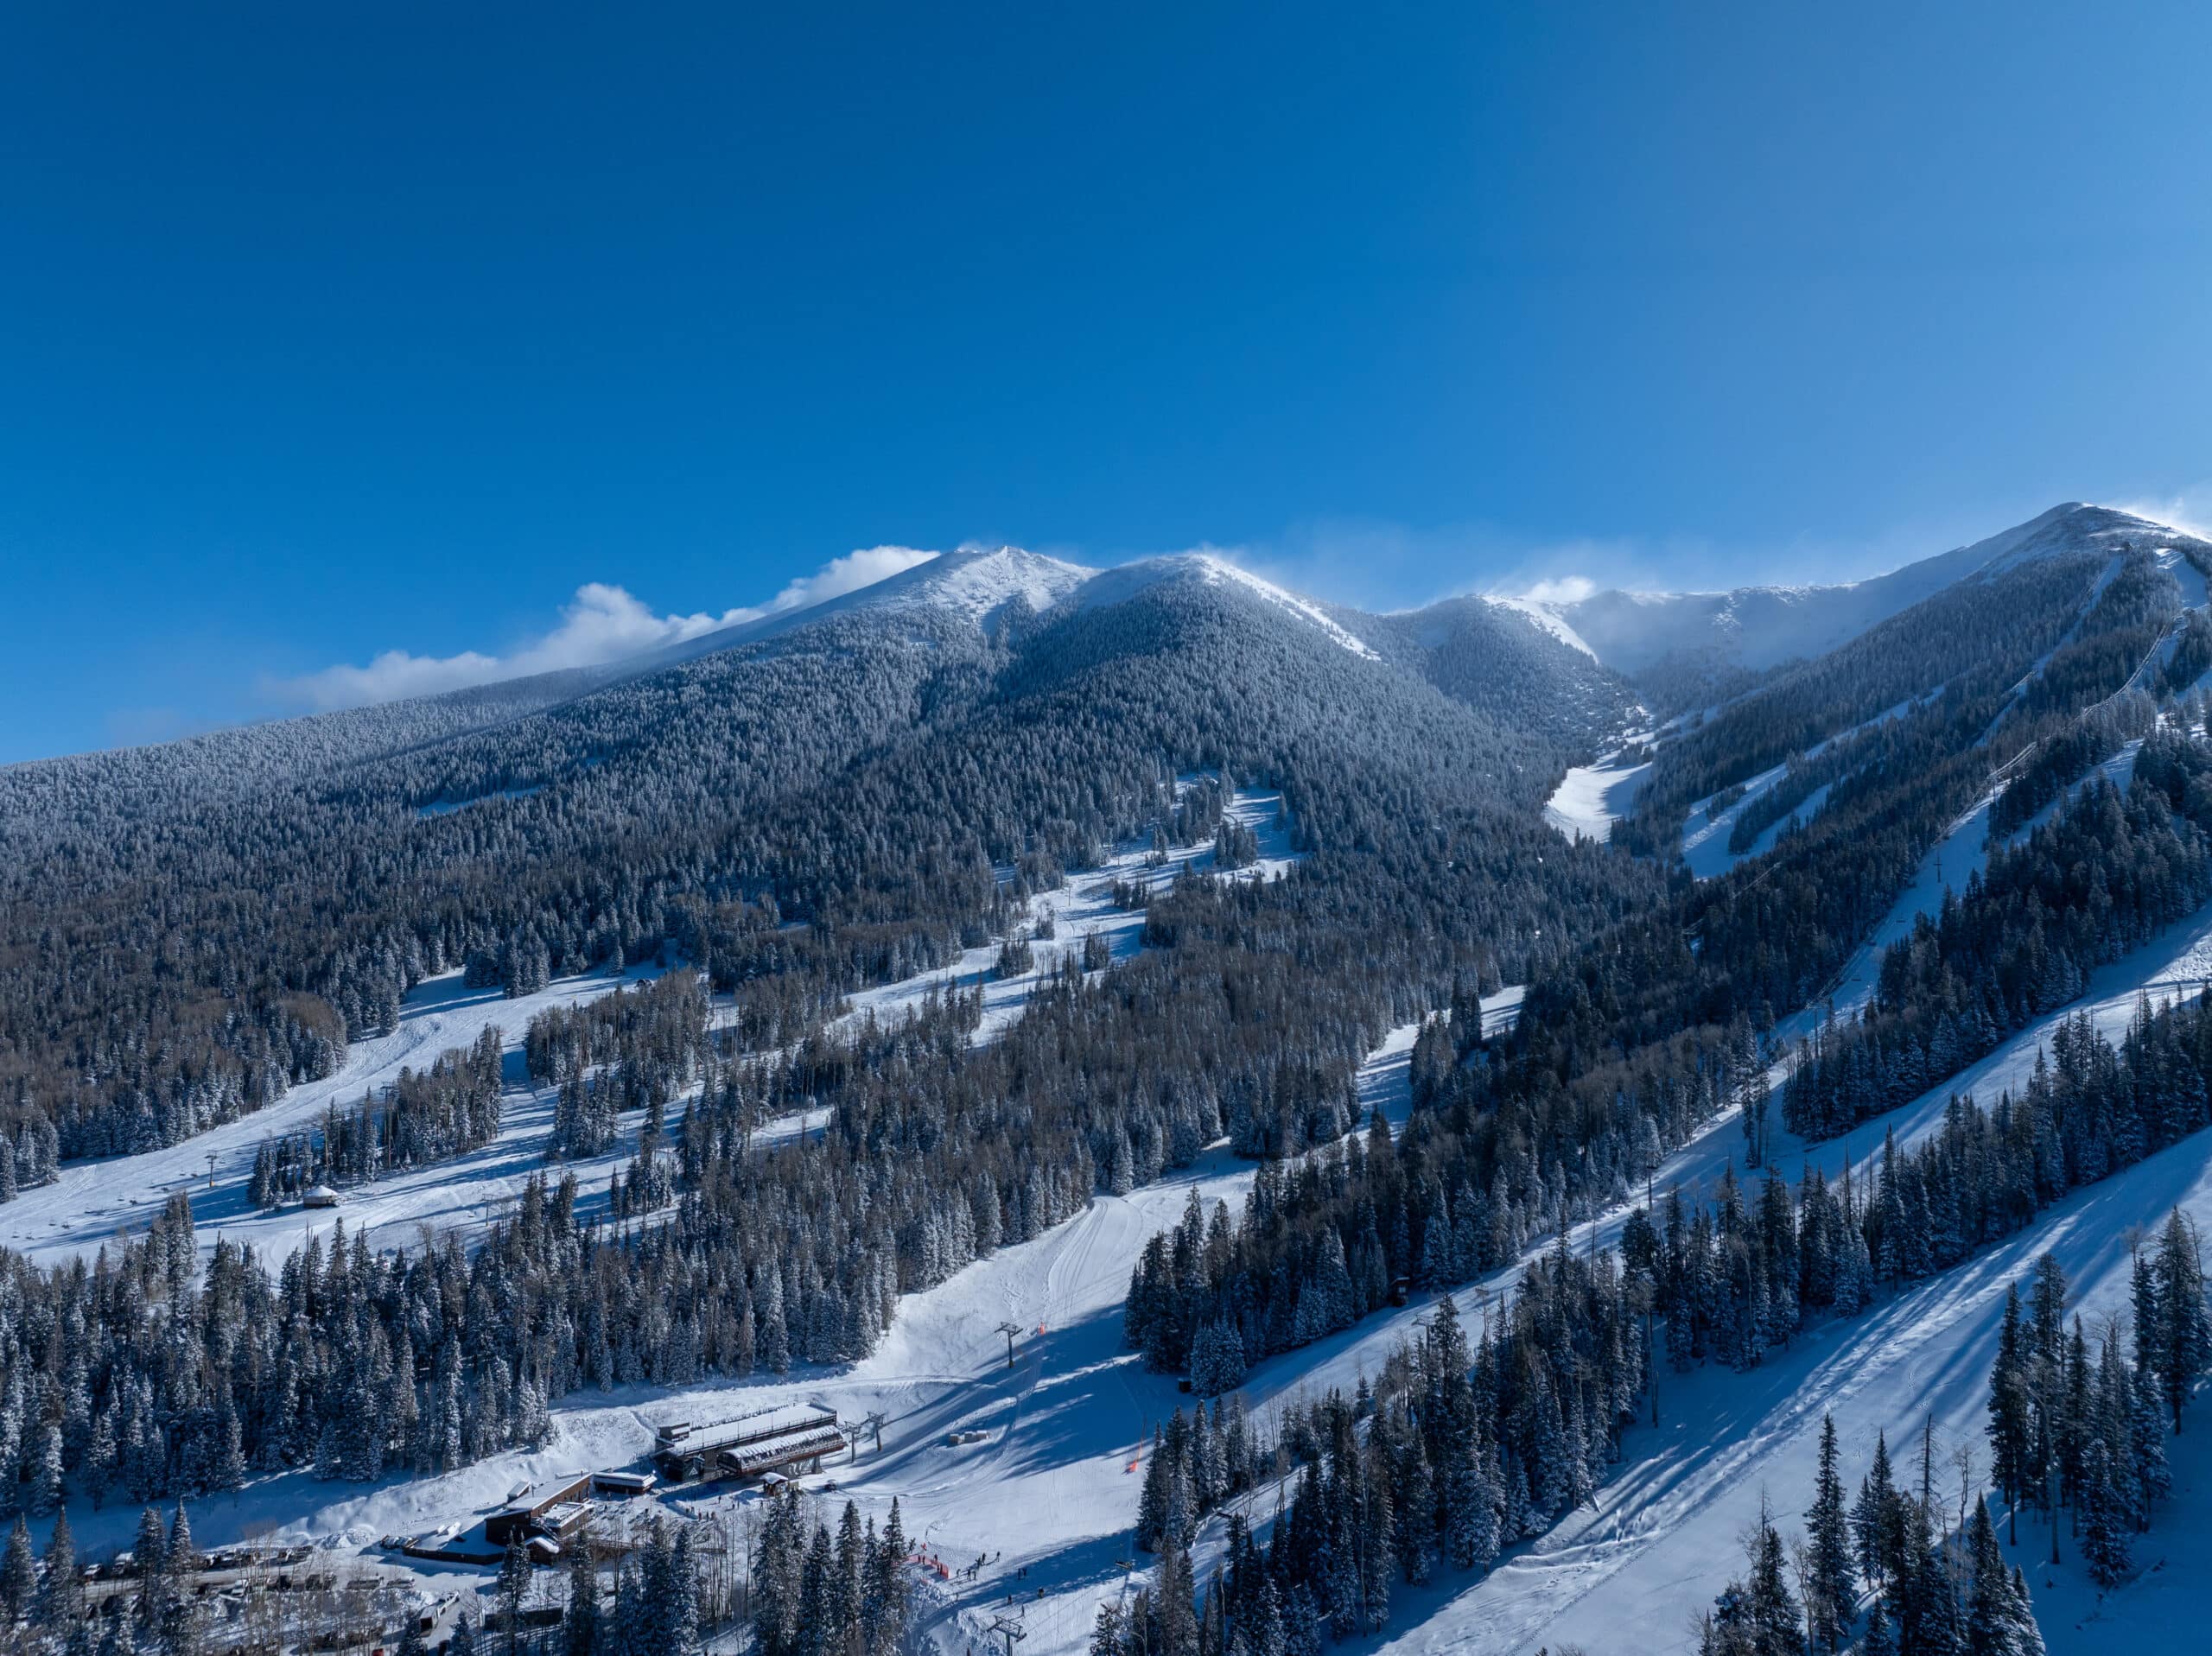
(602, 623)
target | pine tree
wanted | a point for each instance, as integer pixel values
(514, 1590)
(149, 1554)
(179, 1612)
(1874, 1519)
(181, 1554)
(890, 1594)
(680, 1590)
(18, 1572)
(580, 1621)
(2011, 1413)
(1833, 1585)
(2148, 1443)
(1414, 1504)
(1177, 1617)
(61, 1597)
(1216, 1359)
(1106, 1631)
(2185, 1323)
(1879, 1639)
(2027, 1637)
(2104, 1522)
(1773, 1605)
(1988, 1609)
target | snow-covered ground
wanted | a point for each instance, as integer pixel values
(1124, 582)
(92, 1203)
(1045, 1488)
(1049, 1488)
(1080, 907)
(1705, 831)
(1545, 616)
(1962, 851)
(1663, 1536)
(1591, 798)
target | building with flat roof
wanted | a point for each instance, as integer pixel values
(682, 1451)
(556, 1509)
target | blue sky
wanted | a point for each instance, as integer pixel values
(335, 330)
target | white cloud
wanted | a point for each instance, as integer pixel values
(603, 623)
(1560, 589)
(2189, 511)
(842, 575)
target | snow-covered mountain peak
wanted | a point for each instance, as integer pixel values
(977, 583)
(2075, 527)
(1125, 582)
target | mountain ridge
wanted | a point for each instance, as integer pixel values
(1760, 626)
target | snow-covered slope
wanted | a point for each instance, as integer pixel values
(1046, 1492)
(1592, 797)
(92, 1203)
(975, 585)
(1758, 627)
(1125, 582)
(1084, 908)
(1665, 1531)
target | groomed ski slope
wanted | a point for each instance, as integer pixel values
(1664, 1536)
(1591, 798)
(93, 1203)
(1047, 1488)
(1705, 831)
(1084, 905)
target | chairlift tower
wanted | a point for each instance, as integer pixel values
(873, 1421)
(1009, 1329)
(1009, 1629)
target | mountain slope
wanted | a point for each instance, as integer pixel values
(1506, 660)
(867, 766)
(892, 791)
(1676, 640)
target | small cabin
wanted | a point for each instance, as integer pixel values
(320, 1195)
(623, 1486)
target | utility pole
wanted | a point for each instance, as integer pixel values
(1009, 1329)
